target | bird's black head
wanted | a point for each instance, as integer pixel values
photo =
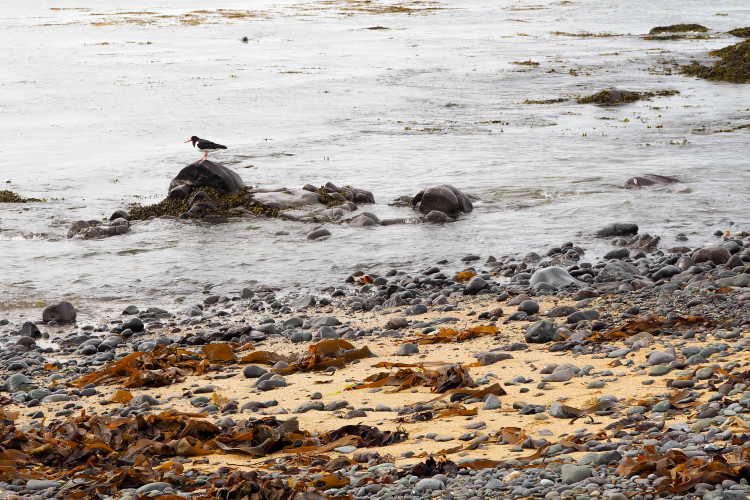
(193, 139)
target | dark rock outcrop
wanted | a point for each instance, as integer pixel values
(444, 198)
(95, 229)
(207, 174)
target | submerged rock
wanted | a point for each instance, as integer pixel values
(444, 198)
(96, 229)
(646, 180)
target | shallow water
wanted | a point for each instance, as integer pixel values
(96, 104)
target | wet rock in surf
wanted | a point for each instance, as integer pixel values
(96, 229)
(647, 180)
(445, 198)
(62, 312)
(618, 229)
(207, 174)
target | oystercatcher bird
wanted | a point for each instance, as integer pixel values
(204, 146)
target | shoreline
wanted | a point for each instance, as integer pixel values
(590, 364)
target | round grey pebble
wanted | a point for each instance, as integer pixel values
(428, 484)
(407, 349)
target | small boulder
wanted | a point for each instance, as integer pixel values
(208, 174)
(541, 332)
(618, 229)
(554, 275)
(62, 312)
(444, 198)
(717, 255)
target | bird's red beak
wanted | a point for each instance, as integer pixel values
(187, 141)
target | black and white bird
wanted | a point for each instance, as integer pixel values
(204, 146)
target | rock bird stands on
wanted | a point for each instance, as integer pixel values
(204, 146)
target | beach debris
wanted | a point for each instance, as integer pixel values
(439, 380)
(648, 324)
(733, 66)
(325, 354)
(162, 366)
(449, 335)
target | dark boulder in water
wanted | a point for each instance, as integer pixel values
(208, 174)
(647, 180)
(444, 198)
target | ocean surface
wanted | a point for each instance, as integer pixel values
(97, 101)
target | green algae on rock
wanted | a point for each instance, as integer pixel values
(734, 66)
(678, 28)
(211, 203)
(11, 197)
(615, 97)
(741, 32)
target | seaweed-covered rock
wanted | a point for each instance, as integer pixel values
(614, 97)
(734, 66)
(646, 180)
(444, 198)
(678, 28)
(11, 197)
(208, 174)
(741, 32)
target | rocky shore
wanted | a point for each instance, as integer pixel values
(544, 376)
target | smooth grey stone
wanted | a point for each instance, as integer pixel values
(618, 253)
(415, 309)
(586, 315)
(16, 382)
(346, 449)
(529, 307)
(42, 484)
(660, 358)
(253, 371)
(326, 332)
(619, 353)
(299, 336)
(553, 275)
(293, 322)
(739, 281)
(407, 349)
(492, 403)
(571, 474)
(267, 385)
(488, 358)
(324, 321)
(661, 407)
(308, 406)
(319, 234)
(130, 310)
(428, 484)
(475, 285)
(62, 312)
(55, 398)
(541, 332)
(156, 486)
(304, 303)
(618, 271)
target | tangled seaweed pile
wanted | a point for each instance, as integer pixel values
(614, 97)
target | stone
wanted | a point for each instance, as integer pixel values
(208, 174)
(62, 312)
(541, 332)
(571, 474)
(325, 321)
(617, 253)
(436, 217)
(135, 324)
(253, 371)
(397, 323)
(647, 180)
(309, 406)
(415, 309)
(475, 285)
(618, 229)
(717, 255)
(491, 403)
(488, 358)
(319, 234)
(15, 382)
(585, 315)
(155, 486)
(660, 358)
(554, 275)
(429, 484)
(618, 271)
(444, 198)
(29, 329)
(529, 307)
(407, 349)
(42, 484)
